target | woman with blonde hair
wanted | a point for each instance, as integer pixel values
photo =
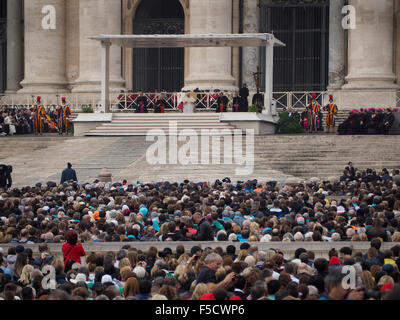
(385, 279)
(125, 263)
(367, 280)
(242, 255)
(124, 272)
(199, 291)
(25, 277)
(131, 287)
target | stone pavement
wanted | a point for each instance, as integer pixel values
(41, 159)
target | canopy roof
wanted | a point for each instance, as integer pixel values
(190, 40)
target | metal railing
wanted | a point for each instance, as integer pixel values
(205, 101)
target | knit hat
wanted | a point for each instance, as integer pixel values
(340, 210)
(334, 260)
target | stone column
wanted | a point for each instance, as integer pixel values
(44, 48)
(14, 45)
(371, 46)
(72, 39)
(210, 68)
(98, 17)
(337, 57)
(250, 58)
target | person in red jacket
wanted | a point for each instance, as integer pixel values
(71, 249)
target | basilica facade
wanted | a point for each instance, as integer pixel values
(350, 48)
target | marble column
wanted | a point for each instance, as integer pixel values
(397, 19)
(72, 39)
(337, 57)
(371, 46)
(98, 17)
(14, 45)
(250, 57)
(210, 68)
(44, 48)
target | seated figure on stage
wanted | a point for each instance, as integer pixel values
(188, 103)
(160, 104)
(222, 103)
(141, 103)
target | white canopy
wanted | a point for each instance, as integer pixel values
(189, 40)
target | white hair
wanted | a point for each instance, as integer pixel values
(140, 272)
(211, 257)
(250, 261)
(335, 236)
(266, 238)
(298, 236)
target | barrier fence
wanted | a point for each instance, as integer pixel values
(205, 101)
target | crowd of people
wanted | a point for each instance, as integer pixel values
(369, 121)
(19, 120)
(201, 274)
(361, 205)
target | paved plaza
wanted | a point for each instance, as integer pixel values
(41, 159)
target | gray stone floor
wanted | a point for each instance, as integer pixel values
(41, 159)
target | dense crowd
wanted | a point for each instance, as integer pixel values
(201, 274)
(19, 120)
(358, 206)
(361, 205)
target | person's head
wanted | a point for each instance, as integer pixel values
(334, 283)
(199, 290)
(69, 165)
(197, 217)
(258, 291)
(376, 243)
(28, 293)
(144, 287)
(72, 237)
(131, 287)
(213, 261)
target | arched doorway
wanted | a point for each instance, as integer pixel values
(159, 69)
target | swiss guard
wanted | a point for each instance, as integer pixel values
(63, 117)
(38, 117)
(332, 110)
(313, 110)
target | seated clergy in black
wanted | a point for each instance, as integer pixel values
(141, 103)
(222, 103)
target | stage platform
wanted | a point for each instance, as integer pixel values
(153, 124)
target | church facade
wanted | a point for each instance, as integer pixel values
(350, 48)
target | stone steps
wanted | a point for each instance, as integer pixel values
(133, 124)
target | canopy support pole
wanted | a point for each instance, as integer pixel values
(105, 75)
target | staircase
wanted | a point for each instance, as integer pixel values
(134, 124)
